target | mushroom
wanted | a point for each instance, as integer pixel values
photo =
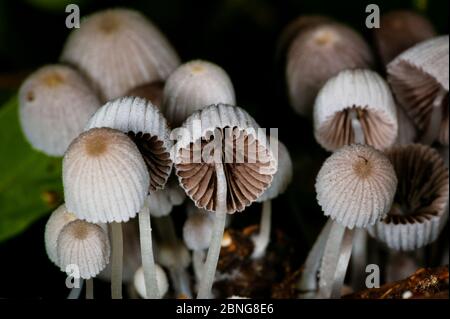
(146, 126)
(399, 30)
(318, 53)
(355, 106)
(419, 211)
(152, 92)
(419, 81)
(224, 165)
(119, 49)
(105, 180)
(194, 85)
(59, 97)
(355, 188)
(280, 182)
(139, 282)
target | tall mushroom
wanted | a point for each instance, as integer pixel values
(148, 129)
(105, 180)
(224, 164)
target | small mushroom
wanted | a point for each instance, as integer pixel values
(56, 97)
(194, 85)
(318, 53)
(139, 282)
(355, 106)
(420, 83)
(105, 180)
(420, 210)
(119, 49)
(399, 30)
(223, 165)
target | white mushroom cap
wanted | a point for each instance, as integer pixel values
(58, 219)
(282, 177)
(119, 49)
(161, 279)
(194, 85)
(161, 202)
(420, 209)
(85, 245)
(173, 255)
(318, 53)
(360, 91)
(197, 230)
(146, 126)
(356, 186)
(56, 97)
(105, 178)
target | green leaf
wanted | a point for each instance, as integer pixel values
(30, 182)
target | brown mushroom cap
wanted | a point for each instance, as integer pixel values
(419, 210)
(152, 92)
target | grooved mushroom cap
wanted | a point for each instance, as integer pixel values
(248, 162)
(399, 30)
(147, 127)
(55, 104)
(58, 219)
(317, 54)
(363, 92)
(197, 230)
(282, 177)
(85, 245)
(194, 85)
(161, 279)
(356, 186)
(419, 211)
(119, 49)
(418, 77)
(105, 178)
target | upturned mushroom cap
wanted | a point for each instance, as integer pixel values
(399, 30)
(85, 245)
(419, 210)
(197, 230)
(194, 85)
(282, 177)
(161, 279)
(148, 129)
(418, 77)
(360, 91)
(105, 178)
(119, 49)
(356, 186)
(248, 161)
(56, 97)
(317, 54)
(58, 219)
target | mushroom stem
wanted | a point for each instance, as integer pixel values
(262, 239)
(432, 132)
(205, 286)
(198, 262)
(180, 281)
(359, 258)
(357, 128)
(148, 261)
(90, 288)
(308, 280)
(342, 264)
(117, 260)
(76, 291)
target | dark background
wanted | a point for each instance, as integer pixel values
(239, 35)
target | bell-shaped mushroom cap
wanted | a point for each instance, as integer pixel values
(161, 279)
(197, 230)
(173, 255)
(227, 134)
(56, 97)
(58, 219)
(194, 85)
(152, 92)
(419, 210)
(317, 54)
(161, 202)
(367, 95)
(85, 245)
(283, 176)
(356, 186)
(105, 178)
(119, 49)
(419, 80)
(399, 30)
(146, 126)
